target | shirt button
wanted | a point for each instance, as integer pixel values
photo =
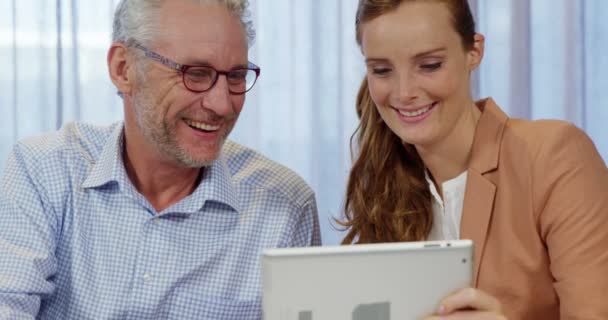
(147, 277)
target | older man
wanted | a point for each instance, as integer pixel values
(158, 217)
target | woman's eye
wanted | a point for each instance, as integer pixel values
(381, 71)
(431, 66)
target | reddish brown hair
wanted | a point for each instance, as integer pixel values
(387, 196)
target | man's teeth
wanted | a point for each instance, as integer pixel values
(415, 113)
(200, 125)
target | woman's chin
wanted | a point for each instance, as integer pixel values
(417, 139)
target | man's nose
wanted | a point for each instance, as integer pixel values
(218, 98)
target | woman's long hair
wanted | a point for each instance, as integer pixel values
(387, 196)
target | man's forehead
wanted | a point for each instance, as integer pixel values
(182, 13)
(201, 23)
(192, 32)
(204, 37)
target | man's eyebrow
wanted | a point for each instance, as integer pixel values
(197, 62)
(206, 63)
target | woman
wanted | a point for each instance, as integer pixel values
(433, 164)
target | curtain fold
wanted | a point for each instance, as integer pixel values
(544, 59)
(59, 56)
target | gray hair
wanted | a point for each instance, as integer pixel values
(136, 20)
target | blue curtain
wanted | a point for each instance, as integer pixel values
(544, 59)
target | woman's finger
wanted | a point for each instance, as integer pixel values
(470, 315)
(469, 298)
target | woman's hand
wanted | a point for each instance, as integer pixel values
(469, 304)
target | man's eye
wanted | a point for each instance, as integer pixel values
(237, 75)
(200, 73)
(431, 66)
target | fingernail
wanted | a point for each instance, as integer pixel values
(441, 309)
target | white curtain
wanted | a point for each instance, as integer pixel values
(544, 59)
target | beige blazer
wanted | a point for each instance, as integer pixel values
(536, 206)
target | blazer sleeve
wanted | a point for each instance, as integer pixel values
(571, 198)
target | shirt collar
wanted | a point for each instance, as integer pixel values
(216, 184)
(448, 186)
(107, 167)
(432, 188)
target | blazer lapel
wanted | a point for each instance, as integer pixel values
(476, 214)
(480, 191)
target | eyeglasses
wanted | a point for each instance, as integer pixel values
(203, 78)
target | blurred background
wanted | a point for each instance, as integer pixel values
(544, 59)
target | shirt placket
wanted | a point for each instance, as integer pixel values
(146, 277)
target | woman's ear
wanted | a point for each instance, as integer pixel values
(475, 54)
(119, 66)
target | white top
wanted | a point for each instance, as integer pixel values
(447, 213)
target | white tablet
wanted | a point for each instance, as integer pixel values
(404, 280)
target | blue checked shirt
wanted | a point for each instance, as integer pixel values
(78, 241)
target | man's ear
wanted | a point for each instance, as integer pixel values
(475, 54)
(119, 67)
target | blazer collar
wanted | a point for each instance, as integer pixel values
(488, 136)
(480, 191)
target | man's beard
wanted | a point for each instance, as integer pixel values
(160, 132)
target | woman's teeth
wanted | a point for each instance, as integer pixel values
(417, 112)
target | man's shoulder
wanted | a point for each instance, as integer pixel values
(74, 141)
(251, 168)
